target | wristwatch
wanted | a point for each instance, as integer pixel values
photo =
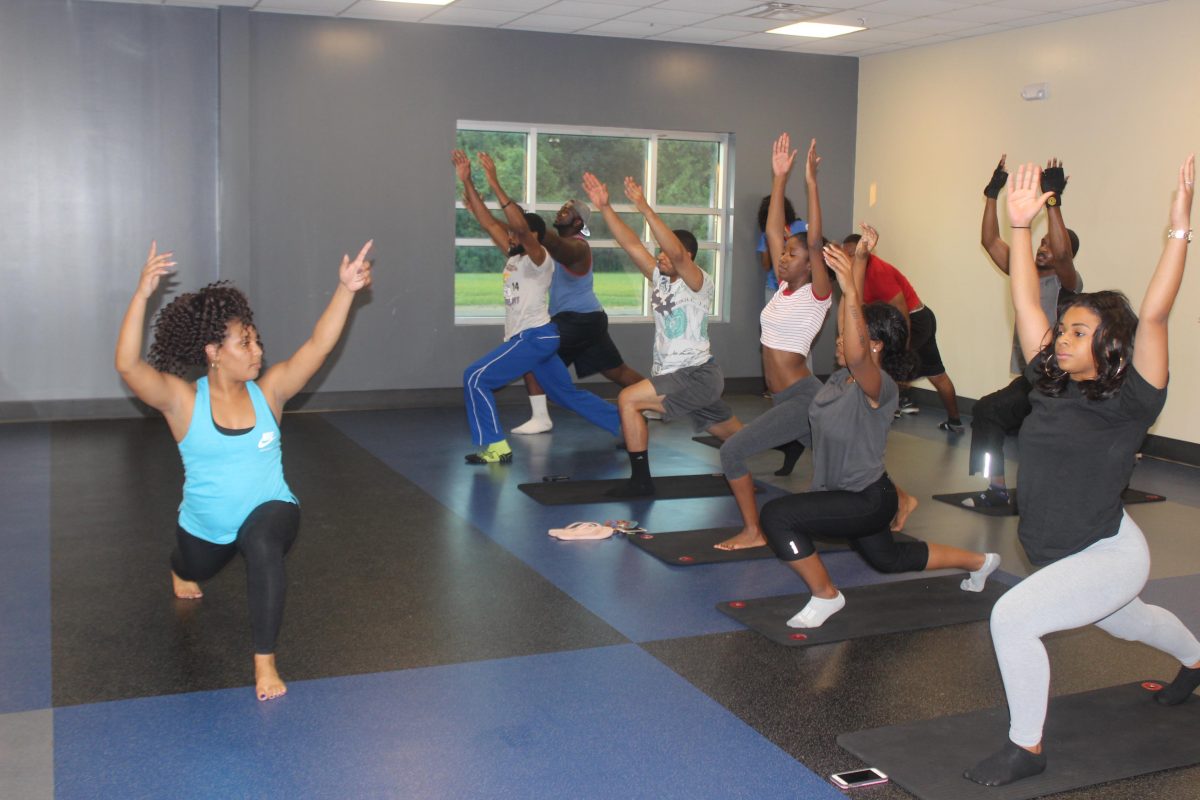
(1179, 233)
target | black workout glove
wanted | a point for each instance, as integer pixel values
(999, 178)
(1054, 180)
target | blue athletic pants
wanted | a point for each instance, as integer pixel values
(532, 350)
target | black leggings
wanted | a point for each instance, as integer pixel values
(863, 518)
(263, 540)
(995, 416)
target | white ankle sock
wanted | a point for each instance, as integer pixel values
(979, 577)
(540, 422)
(817, 611)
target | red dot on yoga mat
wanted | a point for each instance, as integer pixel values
(647, 535)
(1152, 686)
(737, 604)
(686, 559)
(799, 637)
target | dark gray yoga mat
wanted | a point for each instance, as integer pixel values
(689, 548)
(1090, 738)
(1129, 497)
(667, 487)
(871, 610)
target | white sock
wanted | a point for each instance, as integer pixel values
(979, 577)
(817, 611)
(540, 421)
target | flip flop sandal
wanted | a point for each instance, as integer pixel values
(582, 530)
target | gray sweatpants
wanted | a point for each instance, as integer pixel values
(784, 422)
(1098, 585)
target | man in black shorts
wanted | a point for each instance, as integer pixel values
(574, 308)
(1000, 414)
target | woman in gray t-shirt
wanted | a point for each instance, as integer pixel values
(852, 497)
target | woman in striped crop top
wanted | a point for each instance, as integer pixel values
(789, 323)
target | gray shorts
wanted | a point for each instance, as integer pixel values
(694, 392)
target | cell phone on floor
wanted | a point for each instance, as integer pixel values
(858, 777)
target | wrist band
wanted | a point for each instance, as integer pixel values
(1019, 227)
(506, 205)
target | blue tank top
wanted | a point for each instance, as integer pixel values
(226, 477)
(571, 292)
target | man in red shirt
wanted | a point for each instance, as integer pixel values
(885, 283)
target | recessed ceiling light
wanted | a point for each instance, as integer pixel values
(816, 30)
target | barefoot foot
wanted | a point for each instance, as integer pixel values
(745, 539)
(907, 505)
(267, 683)
(185, 590)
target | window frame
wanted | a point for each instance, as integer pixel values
(723, 210)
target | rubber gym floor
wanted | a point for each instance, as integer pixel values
(438, 644)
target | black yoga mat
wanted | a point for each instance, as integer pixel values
(689, 548)
(667, 487)
(870, 610)
(1129, 497)
(1091, 738)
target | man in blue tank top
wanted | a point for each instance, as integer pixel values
(581, 319)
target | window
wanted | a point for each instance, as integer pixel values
(685, 177)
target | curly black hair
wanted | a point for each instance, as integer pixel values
(193, 320)
(1112, 347)
(885, 324)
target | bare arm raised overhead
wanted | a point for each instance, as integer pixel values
(1150, 352)
(475, 204)
(989, 236)
(1054, 179)
(856, 339)
(782, 158)
(1025, 200)
(672, 248)
(283, 380)
(160, 390)
(630, 242)
(821, 282)
(513, 213)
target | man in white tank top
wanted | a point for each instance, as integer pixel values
(530, 338)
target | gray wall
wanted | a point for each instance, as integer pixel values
(333, 131)
(108, 139)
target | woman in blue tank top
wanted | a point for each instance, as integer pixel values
(226, 423)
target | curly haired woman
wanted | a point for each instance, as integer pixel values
(226, 424)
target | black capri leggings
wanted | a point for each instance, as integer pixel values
(862, 518)
(263, 540)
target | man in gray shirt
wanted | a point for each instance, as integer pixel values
(1001, 413)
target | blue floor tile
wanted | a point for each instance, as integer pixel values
(24, 568)
(605, 723)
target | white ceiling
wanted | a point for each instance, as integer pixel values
(891, 24)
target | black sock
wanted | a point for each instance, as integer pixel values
(1180, 689)
(1011, 763)
(640, 463)
(791, 454)
(640, 483)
